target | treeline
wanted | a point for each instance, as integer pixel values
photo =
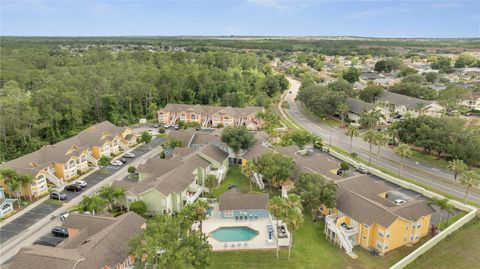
(359, 46)
(447, 137)
(49, 93)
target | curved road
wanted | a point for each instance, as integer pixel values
(432, 176)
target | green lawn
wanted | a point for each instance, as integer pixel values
(430, 159)
(459, 250)
(235, 177)
(310, 250)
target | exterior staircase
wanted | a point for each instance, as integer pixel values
(92, 160)
(257, 179)
(54, 179)
(342, 238)
(205, 122)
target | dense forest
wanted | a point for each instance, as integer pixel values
(327, 46)
(49, 92)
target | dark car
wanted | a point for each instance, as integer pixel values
(73, 187)
(123, 160)
(58, 196)
(60, 231)
(156, 126)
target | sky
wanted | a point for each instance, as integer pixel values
(383, 18)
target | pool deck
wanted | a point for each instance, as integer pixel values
(258, 242)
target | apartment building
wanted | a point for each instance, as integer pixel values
(210, 116)
(166, 185)
(65, 160)
(94, 242)
(371, 214)
(403, 105)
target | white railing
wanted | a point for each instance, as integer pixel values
(193, 198)
(123, 146)
(257, 179)
(92, 160)
(331, 225)
(348, 232)
(54, 179)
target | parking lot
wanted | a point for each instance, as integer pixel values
(38, 212)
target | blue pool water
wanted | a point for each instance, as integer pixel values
(229, 234)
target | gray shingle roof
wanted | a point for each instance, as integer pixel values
(104, 243)
(359, 198)
(399, 99)
(234, 199)
(210, 110)
(358, 106)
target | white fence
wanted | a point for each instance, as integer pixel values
(407, 185)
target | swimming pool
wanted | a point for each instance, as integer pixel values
(229, 234)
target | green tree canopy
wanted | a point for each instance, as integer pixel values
(276, 168)
(237, 138)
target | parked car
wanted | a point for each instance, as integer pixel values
(123, 160)
(81, 183)
(362, 170)
(116, 163)
(58, 196)
(63, 216)
(60, 231)
(156, 126)
(73, 187)
(166, 126)
(399, 201)
(176, 127)
(129, 155)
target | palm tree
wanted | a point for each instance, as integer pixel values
(210, 183)
(200, 211)
(110, 194)
(293, 217)
(469, 179)
(354, 155)
(15, 181)
(277, 206)
(93, 204)
(351, 131)
(293, 220)
(369, 137)
(404, 151)
(457, 167)
(248, 169)
(381, 139)
(444, 205)
(342, 110)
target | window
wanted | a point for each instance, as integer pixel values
(84, 158)
(364, 237)
(379, 245)
(406, 227)
(417, 237)
(388, 234)
(386, 246)
(192, 117)
(228, 213)
(226, 118)
(365, 225)
(380, 233)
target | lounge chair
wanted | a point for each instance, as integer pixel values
(239, 244)
(245, 244)
(236, 218)
(225, 245)
(240, 217)
(256, 216)
(251, 216)
(233, 245)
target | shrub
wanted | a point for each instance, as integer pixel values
(79, 172)
(132, 169)
(219, 125)
(344, 166)
(161, 130)
(139, 207)
(162, 155)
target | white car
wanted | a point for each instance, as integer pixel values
(81, 183)
(116, 163)
(129, 155)
(399, 201)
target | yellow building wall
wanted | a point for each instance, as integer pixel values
(96, 152)
(59, 172)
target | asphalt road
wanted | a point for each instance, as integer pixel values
(418, 171)
(39, 220)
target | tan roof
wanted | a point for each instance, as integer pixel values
(210, 110)
(107, 246)
(33, 162)
(214, 153)
(183, 135)
(234, 199)
(362, 198)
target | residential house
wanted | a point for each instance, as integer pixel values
(166, 185)
(6, 205)
(357, 107)
(366, 215)
(402, 104)
(471, 100)
(210, 115)
(94, 242)
(235, 203)
(67, 159)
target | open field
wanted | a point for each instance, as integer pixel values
(459, 250)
